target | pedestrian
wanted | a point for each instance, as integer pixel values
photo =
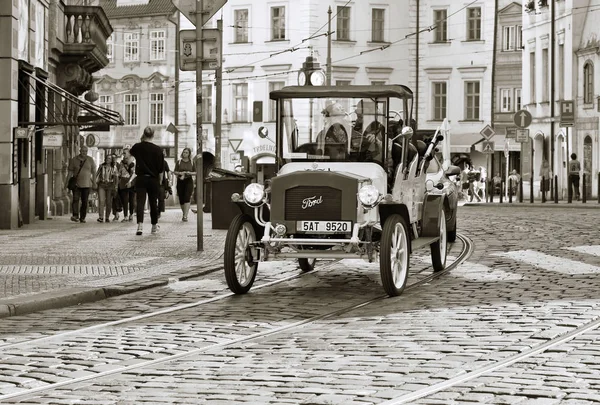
(545, 176)
(83, 168)
(165, 187)
(185, 170)
(126, 188)
(149, 166)
(497, 181)
(106, 179)
(514, 180)
(117, 206)
(574, 169)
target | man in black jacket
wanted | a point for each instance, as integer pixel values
(149, 170)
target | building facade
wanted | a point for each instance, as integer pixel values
(141, 79)
(265, 45)
(51, 50)
(507, 82)
(559, 39)
(452, 70)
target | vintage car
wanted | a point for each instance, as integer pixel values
(351, 183)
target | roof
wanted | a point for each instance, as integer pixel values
(154, 7)
(390, 90)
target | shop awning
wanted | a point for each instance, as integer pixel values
(461, 143)
(265, 160)
(94, 118)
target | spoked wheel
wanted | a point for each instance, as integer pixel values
(306, 264)
(240, 257)
(394, 255)
(439, 249)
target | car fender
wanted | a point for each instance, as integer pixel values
(432, 212)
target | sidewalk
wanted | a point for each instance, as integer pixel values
(57, 263)
(537, 203)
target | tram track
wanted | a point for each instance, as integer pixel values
(466, 251)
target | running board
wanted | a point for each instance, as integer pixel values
(423, 241)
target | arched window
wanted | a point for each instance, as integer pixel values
(588, 83)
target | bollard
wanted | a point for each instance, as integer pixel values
(521, 191)
(598, 189)
(569, 191)
(501, 191)
(510, 190)
(552, 189)
(491, 191)
(583, 191)
(555, 189)
(543, 189)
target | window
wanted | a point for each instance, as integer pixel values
(157, 45)
(506, 101)
(439, 100)
(588, 83)
(508, 38)
(110, 45)
(106, 101)
(518, 103)
(131, 109)
(474, 23)
(241, 25)
(277, 23)
(206, 103)
(519, 37)
(545, 72)
(441, 25)
(345, 102)
(377, 82)
(532, 77)
(132, 47)
(240, 99)
(377, 25)
(472, 97)
(343, 23)
(272, 104)
(561, 71)
(157, 108)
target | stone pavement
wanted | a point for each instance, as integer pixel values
(56, 262)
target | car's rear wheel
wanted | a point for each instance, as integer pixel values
(394, 255)
(240, 256)
(307, 264)
(439, 250)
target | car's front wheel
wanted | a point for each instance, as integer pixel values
(394, 255)
(240, 255)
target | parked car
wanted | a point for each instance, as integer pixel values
(351, 183)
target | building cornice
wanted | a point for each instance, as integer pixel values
(344, 69)
(588, 51)
(277, 68)
(379, 70)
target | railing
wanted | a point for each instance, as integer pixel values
(86, 25)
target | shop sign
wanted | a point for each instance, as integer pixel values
(263, 149)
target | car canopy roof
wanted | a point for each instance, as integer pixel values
(391, 90)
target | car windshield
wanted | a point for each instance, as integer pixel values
(340, 129)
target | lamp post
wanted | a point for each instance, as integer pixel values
(311, 74)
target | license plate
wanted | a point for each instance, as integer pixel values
(324, 226)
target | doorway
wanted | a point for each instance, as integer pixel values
(587, 166)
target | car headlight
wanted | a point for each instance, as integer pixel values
(254, 194)
(369, 195)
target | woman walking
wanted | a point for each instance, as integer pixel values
(126, 189)
(185, 169)
(106, 179)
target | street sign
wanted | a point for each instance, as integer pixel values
(188, 9)
(522, 135)
(21, 133)
(487, 132)
(235, 144)
(187, 49)
(567, 113)
(511, 133)
(522, 118)
(488, 146)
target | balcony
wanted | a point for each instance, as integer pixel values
(86, 29)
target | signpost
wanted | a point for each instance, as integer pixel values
(198, 12)
(487, 132)
(522, 135)
(522, 118)
(567, 113)
(211, 49)
(488, 146)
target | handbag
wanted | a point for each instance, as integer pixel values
(72, 182)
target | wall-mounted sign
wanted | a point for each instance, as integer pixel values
(52, 141)
(263, 149)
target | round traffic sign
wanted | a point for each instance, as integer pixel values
(522, 118)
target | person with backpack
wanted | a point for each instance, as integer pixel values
(574, 169)
(106, 179)
(81, 175)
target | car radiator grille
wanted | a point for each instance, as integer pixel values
(330, 209)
